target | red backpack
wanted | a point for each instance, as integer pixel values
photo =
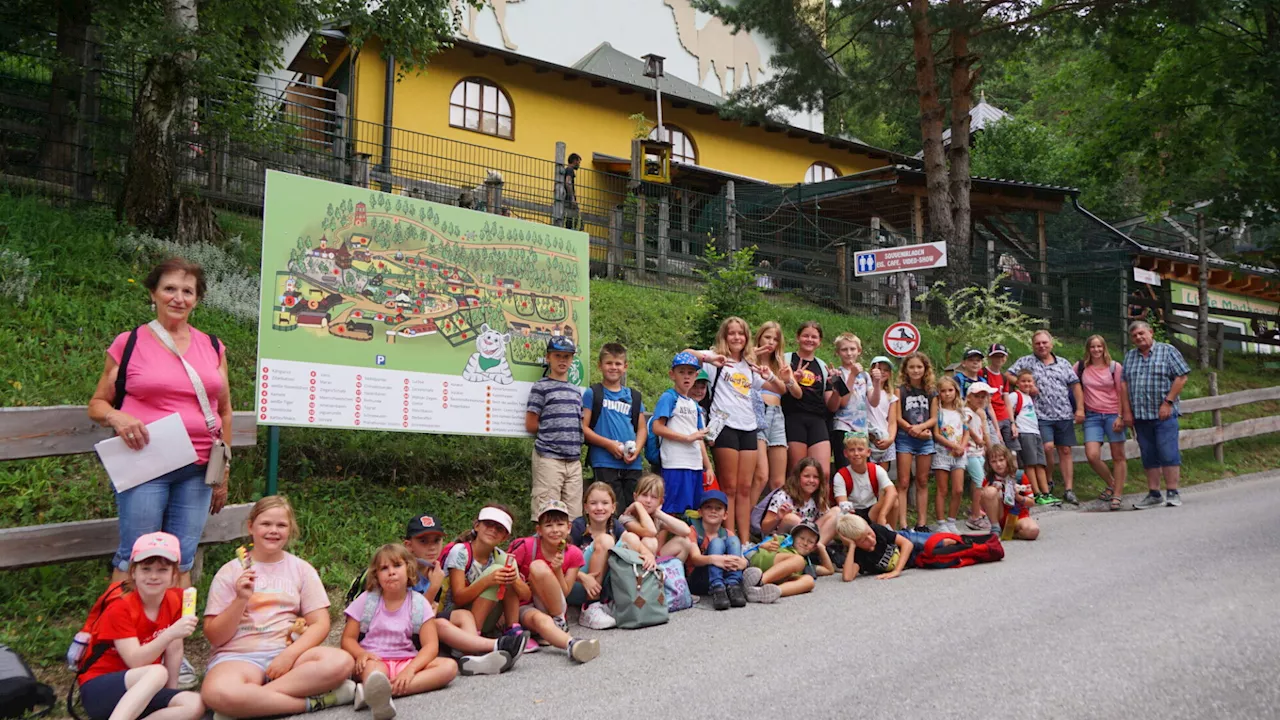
(847, 474)
(967, 550)
(87, 649)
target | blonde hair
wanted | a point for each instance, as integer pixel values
(852, 440)
(1010, 458)
(1106, 353)
(928, 382)
(275, 502)
(848, 337)
(650, 484)
(949, 382)
(721, 343)
(852, 527)
(776, 358)
(397, 555)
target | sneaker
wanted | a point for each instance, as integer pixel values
(1070, 496)
(719, 598)
(187, 677)
(344, 694)
(532, 646)
(377, 694)
(1173, 498)
(581, 650)
(597, 617)
(1152, 500)
(737, 598)
(751, 578)
(981, 523)
(922, 529)
(357, 704)
(1049, 499)
(491, 663)
(951, 526)
(524, 637)
(764, 594)
(561, 622)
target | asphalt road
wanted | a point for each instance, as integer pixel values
(1166, 613)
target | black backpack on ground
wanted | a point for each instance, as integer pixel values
(20, 692)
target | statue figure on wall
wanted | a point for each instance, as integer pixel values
(469, 30)
(716, 45)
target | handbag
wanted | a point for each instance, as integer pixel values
(639, 597)
(219, 453)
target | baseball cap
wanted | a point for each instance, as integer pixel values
(881, 359)
(709, 495)
(561, 343)
(981, 387)
(156, 544)
(422, 524)
(806, 525)
(702, 375)
(998, 349)
(685, 358)
(973, 352)
(493, 514)
(551, 505)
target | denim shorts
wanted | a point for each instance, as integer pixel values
(1061, 433)
(100, 696)
(1097, 428)
(774, 429)
(176, 502)
(905, 444)
(1158, 441)
(944, 460)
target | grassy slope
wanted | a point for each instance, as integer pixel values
(352, 490)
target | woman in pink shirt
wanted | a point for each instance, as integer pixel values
(156, 385)
(1106, 398)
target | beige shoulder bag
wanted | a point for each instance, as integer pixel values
(219, 453)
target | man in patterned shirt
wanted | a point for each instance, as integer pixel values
(1156, 373)
(1057, 385)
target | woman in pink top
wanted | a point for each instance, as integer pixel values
(156, 385)
(1106, 398)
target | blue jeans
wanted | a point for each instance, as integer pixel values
(1158, 441)
(1098, 428)
(177, 503)
(719, 577)
(918, 539)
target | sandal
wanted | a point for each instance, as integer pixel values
(1106, 495)
(1115, 502)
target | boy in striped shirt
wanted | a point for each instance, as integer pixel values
(554, 417)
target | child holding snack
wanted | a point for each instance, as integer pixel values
(480, 575)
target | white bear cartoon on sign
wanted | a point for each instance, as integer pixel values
(489, 362)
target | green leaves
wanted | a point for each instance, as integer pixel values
(730, 291)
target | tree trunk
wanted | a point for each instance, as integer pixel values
(931, 113)
(58, 154)
(1202, 302)
(959, 252)
(149, 201)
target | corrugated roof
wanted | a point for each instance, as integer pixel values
(609, 62)
(980, 116)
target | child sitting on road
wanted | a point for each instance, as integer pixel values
(613, 425)
(661, 533)
(677, 420)
(977, 428)
(595, 534)
(873, 549)
(457, 634)
(1030, 447)
(716, 563)
(554, 417)
(802, 498)
(779, 570)
(134, 672)
(1006, 483)
(549, 567)
(861, 487)
(480, 576)
(390, 636)
(949, 462)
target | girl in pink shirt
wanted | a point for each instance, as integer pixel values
(390, 636)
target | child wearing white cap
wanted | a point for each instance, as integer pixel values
(481, 576)
(975, 421)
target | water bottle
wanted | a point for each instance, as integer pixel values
(75, 653)
(629, 446)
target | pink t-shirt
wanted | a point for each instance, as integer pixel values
(1099, 387)
(157, 385)
(390, 635)
(282, 592)
(526, 550)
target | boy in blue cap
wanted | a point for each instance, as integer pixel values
(717, 561)
(678, 421)
(554, 417)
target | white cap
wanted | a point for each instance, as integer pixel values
(981, 387)
(493, 514)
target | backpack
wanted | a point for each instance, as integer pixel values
(597, 406)
(417, 614)
(822, 370)
(847, 474)
(20, 693)
(968, 550)
(128, 353)
(757, 512)
(653, 443)
(639, 595)
(86, 649)
(674, 584)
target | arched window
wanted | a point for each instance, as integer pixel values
(479, 105)
(682, 147)
(820, 171)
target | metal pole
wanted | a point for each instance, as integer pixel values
(388, 114)
(657, 89)
(273, 459)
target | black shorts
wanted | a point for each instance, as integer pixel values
(100, 696)
(734, 439)
(622, 481)
(806, 428)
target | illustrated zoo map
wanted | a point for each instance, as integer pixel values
(391, 313)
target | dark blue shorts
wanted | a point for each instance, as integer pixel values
(100, 696)
(1062, 433)
(1158, 441)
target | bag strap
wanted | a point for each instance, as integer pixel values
(210, 420)
(371, 600)
(597, 403)
(417, 611)
(636, 403)
(123, 369)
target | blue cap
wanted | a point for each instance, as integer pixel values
(685, 358)
(708, 495)
(561, 343)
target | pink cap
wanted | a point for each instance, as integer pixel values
(156, 544)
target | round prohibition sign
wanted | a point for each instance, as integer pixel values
(901, 339)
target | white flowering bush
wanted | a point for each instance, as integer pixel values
(17, 279)
(232, 288)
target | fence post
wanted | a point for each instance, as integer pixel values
(86, 114)
(664, 241)
(615, 242)
(730, 215)
(1066, 306)
(360, 170)
(640, 213)
(842, 272)
(1217, 416)
(1042, 244)
(558, 191)
(340, 132)
(1220, 341)
(493, 194)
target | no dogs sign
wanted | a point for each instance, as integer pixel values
(901, 339)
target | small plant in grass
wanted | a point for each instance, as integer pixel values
(17, 279)
(729, 290)
(979, 315)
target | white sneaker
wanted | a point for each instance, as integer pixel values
(187, 677)
(377, 693)
(358, 702)
(597, 616)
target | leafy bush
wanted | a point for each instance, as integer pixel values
(232, 288)
(17, 279)
(980, 315)
(729, 290)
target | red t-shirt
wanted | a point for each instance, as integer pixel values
(125, 618)
(997, 381)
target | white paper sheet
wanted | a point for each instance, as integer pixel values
(170, 448)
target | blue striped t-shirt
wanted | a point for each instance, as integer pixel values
(558, 405)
